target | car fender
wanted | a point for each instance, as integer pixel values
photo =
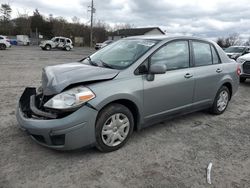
(100, 103)
(225, 79)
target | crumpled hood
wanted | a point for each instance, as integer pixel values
(58, 77)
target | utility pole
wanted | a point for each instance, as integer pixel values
(92, 11)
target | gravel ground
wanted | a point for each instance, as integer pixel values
(172, 154)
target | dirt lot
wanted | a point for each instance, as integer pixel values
(172, 154)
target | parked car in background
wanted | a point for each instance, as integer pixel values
(126, 86)
(245, 67)
(4, 42)
(101, 45)
(234, 52)
(62, 43)
(23, 40)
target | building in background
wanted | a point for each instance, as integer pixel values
(122, 33)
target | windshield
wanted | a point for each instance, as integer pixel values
(121, 54)
(234, 49)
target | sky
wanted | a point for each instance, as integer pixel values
(203, 18)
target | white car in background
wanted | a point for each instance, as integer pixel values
(62, 43)
(234, 52)
(245, 67)
(4, 42)
(101, 45)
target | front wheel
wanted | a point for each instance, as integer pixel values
(221, 101)
(47, 47)
(115, 124)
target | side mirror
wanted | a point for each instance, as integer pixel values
(158, 69)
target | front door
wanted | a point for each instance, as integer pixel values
(173, 91)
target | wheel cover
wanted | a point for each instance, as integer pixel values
(115, 130)
(222, 101)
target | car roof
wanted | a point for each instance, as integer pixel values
(62, 37)
(239, 46)
(167, 38)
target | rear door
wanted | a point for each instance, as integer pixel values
(208, 72)
(173, 91)
(62, 43)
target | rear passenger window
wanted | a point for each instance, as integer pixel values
(175, 55)
(68, 41)
(216, 59)
(202, 54)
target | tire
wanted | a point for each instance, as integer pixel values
(47, 47)
(110, 133)
(67, 48)
(222, 97)
(242, 80)
(3, 47)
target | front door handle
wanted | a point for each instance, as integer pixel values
(188, 75)
(219, 70)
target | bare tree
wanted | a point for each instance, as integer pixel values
(5, 11)
(231, 40)
(75, 20)
(247, 43)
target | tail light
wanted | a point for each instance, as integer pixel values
(238, 71)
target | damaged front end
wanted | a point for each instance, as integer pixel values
(58, 129)
(58, 114)
(32, 105)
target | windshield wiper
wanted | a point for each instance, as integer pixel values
(106, 65)
(90, 61)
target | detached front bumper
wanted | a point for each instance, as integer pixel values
(74, 131)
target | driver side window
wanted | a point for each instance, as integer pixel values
(174, 55)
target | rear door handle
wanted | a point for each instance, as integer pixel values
(219, 70)
(188, 75)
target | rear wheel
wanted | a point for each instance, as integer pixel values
(114, 126)
(242, 80)
(221, 101)
(67, 48)
(2, 46)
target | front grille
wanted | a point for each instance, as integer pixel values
(246, 67)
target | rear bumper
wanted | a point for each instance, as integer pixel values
(74, 131)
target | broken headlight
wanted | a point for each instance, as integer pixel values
(70, 99)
